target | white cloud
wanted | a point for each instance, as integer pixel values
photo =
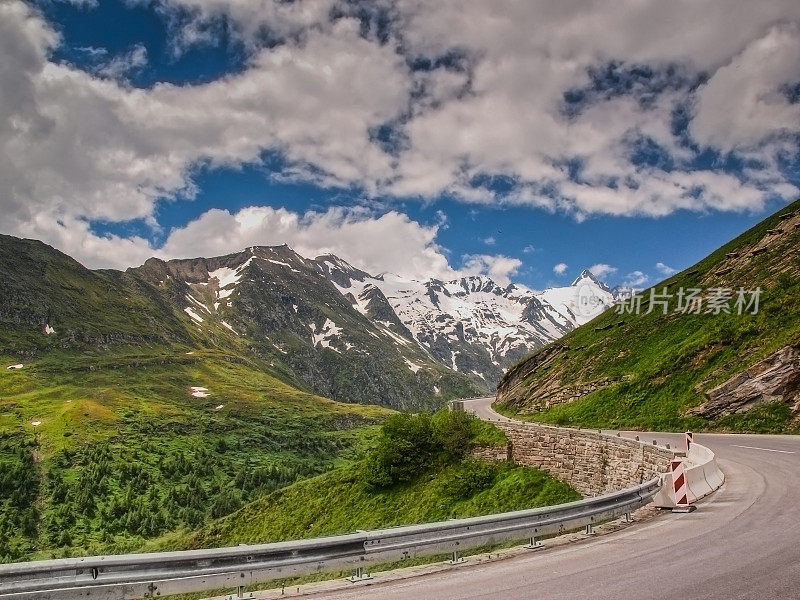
(665, 269)
(121, 66)
(636, 279)
(489, 241)
(391, 242)
(525, 56)
(742, 104)
(560, 268)
(529, 249)
(250, 19)
(498, 267)
(602, 270)
(74, 146)
(78, 147)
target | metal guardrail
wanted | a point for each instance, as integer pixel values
(151, 575)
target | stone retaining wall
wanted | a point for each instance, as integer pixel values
(591, 462)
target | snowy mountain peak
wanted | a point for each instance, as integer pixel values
(470, 324)
(585, 275)
(341, 272)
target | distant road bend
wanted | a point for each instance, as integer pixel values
(742, 543)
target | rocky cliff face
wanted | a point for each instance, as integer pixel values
(775, 379)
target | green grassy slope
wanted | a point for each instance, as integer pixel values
(43, 286)
(341, 502)
(418, 469)
(102, 444)
(124, 452)
(647, 371)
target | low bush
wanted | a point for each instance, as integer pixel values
(410, 445)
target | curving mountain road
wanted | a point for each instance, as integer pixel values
(743, 542)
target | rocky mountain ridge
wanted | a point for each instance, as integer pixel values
(319, 323)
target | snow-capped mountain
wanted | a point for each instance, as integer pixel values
(471, 324)
(319, 324)
(349, 334)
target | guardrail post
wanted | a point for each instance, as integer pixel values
(534, 544)
(589, 530)
(240, 594)
(456, 559)
(359, 575)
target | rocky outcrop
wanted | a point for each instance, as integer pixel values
(776, 378)
(537, 385)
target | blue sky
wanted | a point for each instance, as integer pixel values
(512, 139)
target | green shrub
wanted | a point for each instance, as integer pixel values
(472, 478)
(411, 445)
(404, 449)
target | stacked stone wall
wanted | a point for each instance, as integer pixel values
(592, 462)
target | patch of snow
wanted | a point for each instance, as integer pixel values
(192, 352)
(199, 392)
(198, 303)
(14, 367)
(48, 330)
(329, 330)
(227, 278)
(36, 423)
(224, 324)
(436, 390)
(219, 407)
(396, 337)
(188, 310)
(413, 367)
(283, 264)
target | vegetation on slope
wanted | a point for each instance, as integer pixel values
(104, 445)
(418, 471)
(100, 451)
(648, 371)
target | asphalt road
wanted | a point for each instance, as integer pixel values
(743, 542)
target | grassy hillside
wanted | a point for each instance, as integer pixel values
(104, 443)
(341, 502)
(42, 286)
(102, 450)
(650, 370)
(418, 470)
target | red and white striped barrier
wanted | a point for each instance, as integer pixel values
(680, 489)
(701, 475)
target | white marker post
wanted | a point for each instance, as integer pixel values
(689, 440)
